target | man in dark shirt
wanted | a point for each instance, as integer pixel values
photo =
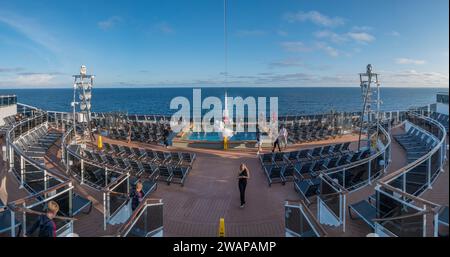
(45, 223)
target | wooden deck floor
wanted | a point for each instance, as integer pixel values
(211, 192)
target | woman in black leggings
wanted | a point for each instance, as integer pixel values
(244, 175)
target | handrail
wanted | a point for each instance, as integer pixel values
(56, 187)
(408, 195)
(365, 160)
(18, 208)
(402, 217)
(395, 174)
(314, 219)
(136, 213)
(106, 188)
(28, 159)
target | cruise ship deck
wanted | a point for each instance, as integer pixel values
(189, 189)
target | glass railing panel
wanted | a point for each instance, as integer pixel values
(118, 196)
(435, 163)
(355, 176)
(74, 165)
(417, 179)
(149, 223)
(330, 197)
(94, 174)
(33, 177)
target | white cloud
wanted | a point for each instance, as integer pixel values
(164, 27)
(295, 46)
(328, 49)
(314, 17)
(109, 23)
(31, 29)
(361, 28)
(409, 61)
(361, 37)
(334, 37)
(289, 62)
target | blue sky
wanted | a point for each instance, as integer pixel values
(181, 43)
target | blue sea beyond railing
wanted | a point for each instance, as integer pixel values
(290, 100)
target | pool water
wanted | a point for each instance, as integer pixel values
(217, 136)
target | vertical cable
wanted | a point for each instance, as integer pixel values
(225, 43)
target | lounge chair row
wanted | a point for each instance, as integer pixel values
(416, 143)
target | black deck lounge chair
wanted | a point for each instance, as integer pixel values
(365, 211)
(289, 172)
(307, 188)
(315, 153)
(443, 218)
(138, 153)
(303, 155)
(187, 159)
(273, 173)
(305, 168)
(345, 148)
(278, 158)
(5, 221)
(165, 174)
(266, 159)
(292, 157)
(179, 174)
(107, 148)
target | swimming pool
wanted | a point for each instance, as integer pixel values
(217, 136)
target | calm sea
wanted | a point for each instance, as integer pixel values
(290, 100)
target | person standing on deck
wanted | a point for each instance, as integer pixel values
(137, 196)
(45, 223)
(284, 136)
(129, 134)
(277, 142)
(243, 176)
(166, 134)
(258, 140)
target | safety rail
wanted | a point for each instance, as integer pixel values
(300, 221)
(367, 169)
(113, 183)
(146, 220)
(331, 202)
(398, 194)
(42, 183)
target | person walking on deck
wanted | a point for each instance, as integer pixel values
(284, 136)
(243, 176)
(45, 223)
(277, 142)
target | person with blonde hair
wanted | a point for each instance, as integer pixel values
(243, 176)
(137, 196)
(45, 223)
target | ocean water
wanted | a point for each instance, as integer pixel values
(290, 100)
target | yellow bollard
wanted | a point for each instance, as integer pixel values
(222, 227)
(225, 143)
(99, 143)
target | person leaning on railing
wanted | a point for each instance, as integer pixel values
(45, 223)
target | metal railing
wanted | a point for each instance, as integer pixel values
(397, 196)
(42, 183)
(367, 169)
(146, 220)
(300, 221)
